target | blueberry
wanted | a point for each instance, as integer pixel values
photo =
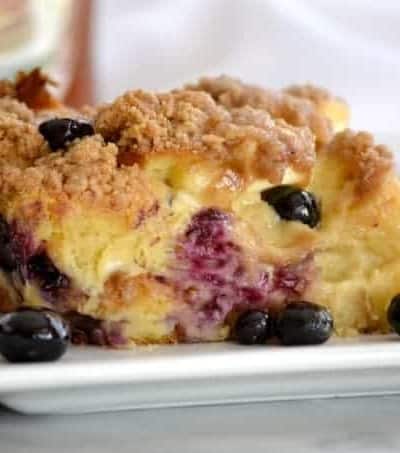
(303, 323)
(253, 327)
(393, 313)
(33, 336)
(45, 273)
(293, 203)
(8, 260)
(58, 132)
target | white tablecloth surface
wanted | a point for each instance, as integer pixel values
(362, 425)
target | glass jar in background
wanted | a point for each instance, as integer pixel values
(53, 35)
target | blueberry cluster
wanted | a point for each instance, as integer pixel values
(299, 323)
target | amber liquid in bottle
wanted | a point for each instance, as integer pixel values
(80, 91)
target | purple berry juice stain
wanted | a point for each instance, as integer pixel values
(212, 278)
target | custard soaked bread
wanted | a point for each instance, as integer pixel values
(162, 217)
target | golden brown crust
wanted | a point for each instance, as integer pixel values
(295, 110)
(87, 174)
(367, 163)
(20, 141)
(31, 88)
(192, 122)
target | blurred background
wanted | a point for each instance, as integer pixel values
(97, 49)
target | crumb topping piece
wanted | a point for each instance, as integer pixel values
(11, 105)
(87, 174)
(20, 141)
(297, 110)
(191, 122)
(315, 94)
(368, 163)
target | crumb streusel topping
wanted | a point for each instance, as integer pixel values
(11, 105)
(308, 91)
(296, 110)
(87, 174)
(187, 121)
(20, 141)
(216, 119)
(368, 162)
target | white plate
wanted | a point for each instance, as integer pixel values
(91, 379)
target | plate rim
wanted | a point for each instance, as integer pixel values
(86, 366)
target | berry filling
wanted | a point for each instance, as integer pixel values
(212, 276)
(23, 260)
(88, 330)
(291, 281)
(213, 280)
(7, 259)
(16, 246)
(42, 270)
